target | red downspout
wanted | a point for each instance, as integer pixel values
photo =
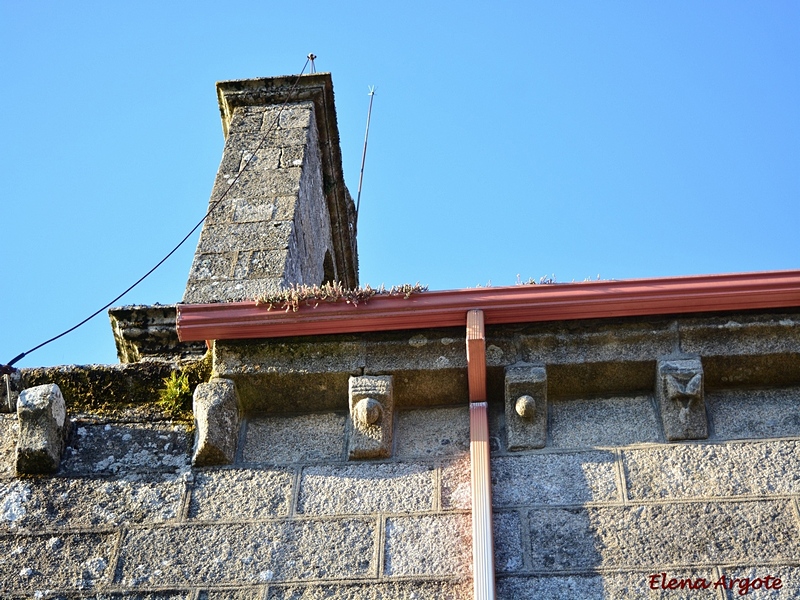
(480, 472)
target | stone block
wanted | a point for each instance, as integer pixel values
(366, 488)
(291, 375)
(565, 587)
(456, 483)
(60, 502)
(617, 421)
(247, 593)
(149, 332)
(542, 478)
(162, 595)
(747, 413)
(126, 449)
(554, 478)
(285, 440)
(741, 334)
(247, 553)
(118, 389)
(43, 428)
(293, 115)
(598, 358)
(428, 545)
(247, 118)
(395, 590)
(630, 585)
(292, 156)
(745, 349)
(267, 183)
(10, 387)
(681, 399)
(247, 210)
(429, 367)
(526, 407)
(596, 379)
(231, 289)
(508, 545)
(224, 494)
(239, 237)
(213, 266)
(788, 587)
(649, 536)
(8, 444)
(598, 341)
(216, 417)
(371, 421)
(264, 159)
(433, 432)
(685, 471)
(75, 561)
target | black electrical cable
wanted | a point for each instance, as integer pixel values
(9, 367)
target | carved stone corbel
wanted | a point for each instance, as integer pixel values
(679, 389)
(526, 407)
(371, 417)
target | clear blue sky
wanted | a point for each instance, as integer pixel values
(625, 139)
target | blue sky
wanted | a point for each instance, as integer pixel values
(617, 139)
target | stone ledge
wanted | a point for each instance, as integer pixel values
(150, 332)
(95, 389)
(583, 359)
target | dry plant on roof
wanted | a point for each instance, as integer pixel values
(292, 297)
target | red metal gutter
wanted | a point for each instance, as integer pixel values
(515, 304)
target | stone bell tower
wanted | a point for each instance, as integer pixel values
(280, 211)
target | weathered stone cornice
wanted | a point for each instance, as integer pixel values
(597, 357)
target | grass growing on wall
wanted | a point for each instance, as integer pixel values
(291, 298)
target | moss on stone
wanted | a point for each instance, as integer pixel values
(120, 390)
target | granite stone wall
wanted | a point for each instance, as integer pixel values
(127, 517)
(601, 512)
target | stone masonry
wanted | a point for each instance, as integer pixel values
(605, 505)
(279, 213)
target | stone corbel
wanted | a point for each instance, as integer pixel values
(371, 417)
(43, 429)
(680, 393)
(216, 415)
(526, 407)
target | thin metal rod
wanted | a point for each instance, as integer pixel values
(364, 154)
